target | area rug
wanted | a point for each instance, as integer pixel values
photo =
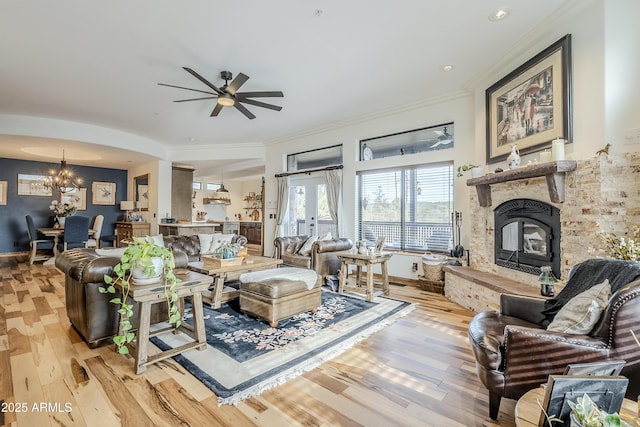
(245, 357)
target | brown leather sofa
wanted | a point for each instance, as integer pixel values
(322, 259)
(515, 353)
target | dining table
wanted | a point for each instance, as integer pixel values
(56, 233)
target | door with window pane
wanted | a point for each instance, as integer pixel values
(309, 208)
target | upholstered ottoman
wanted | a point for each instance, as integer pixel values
(279, 293)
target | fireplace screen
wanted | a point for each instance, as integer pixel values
(527, 236)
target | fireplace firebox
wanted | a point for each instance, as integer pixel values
(527, 236)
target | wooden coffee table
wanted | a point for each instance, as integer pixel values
(218, 294)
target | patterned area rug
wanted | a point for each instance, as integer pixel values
(245, 356)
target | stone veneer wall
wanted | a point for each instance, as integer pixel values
(602, 195)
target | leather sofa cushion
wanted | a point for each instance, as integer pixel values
(296, 260)
(486, 336)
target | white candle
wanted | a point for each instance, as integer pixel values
(545, 156)
(557, 149)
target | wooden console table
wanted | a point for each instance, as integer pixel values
(554, 172)
(128, 230)
(366, 261)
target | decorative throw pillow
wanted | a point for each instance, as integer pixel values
(305, 250)
(158, 240)
(291, 249)
(205, 243)
(582, 312)
(327, 236)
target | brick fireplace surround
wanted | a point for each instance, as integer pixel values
(602, 195)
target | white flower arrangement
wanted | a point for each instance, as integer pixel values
(620, 247)
(62, 209)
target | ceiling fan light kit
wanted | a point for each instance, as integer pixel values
(228, 95)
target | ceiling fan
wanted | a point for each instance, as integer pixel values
(228, 94)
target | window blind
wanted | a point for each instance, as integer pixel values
(410, 207)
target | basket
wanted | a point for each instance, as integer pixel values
(436, 286)
(432, 266)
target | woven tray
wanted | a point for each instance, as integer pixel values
(219, 262)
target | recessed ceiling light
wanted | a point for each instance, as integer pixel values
(499, 14)
(192, 139)
(447, 68)
(318, 12)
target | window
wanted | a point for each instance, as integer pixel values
(410, 207)
(196, 185)
(320, 158)
(212, 187)
(433, 138)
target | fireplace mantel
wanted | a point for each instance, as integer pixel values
(554, 172)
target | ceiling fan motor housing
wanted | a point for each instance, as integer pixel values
(226, 75)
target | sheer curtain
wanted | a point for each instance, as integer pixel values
(282, 199)
(334, 186)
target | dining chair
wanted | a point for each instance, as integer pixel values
(37, 242)
(96, 225)
(76, 233)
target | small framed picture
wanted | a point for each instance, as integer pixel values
(379, 244)
(103, 193)
(607, 392)
(75, 197)
(3, 192)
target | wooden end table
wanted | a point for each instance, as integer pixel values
(366, 261)
(218, 294)
(192, 284)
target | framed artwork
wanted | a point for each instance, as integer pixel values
(607, 392)
(32, 185)
(379, 244)
(3, 192)
(103, 193)
(143, 197)
(75, 197)
(531, 106)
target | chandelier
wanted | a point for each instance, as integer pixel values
(63, 181)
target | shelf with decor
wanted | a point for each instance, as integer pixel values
(554, 172)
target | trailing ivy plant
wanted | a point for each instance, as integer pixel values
(140, 255)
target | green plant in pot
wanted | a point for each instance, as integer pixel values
(585, 413)
(147, 262)
(227, 250)
(463, 168)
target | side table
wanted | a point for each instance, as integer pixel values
(192, 284)
(366, 261)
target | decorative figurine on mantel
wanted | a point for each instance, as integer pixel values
(514, 158)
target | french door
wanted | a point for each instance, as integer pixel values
(309, 208)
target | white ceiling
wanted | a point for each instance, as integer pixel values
(99, 63)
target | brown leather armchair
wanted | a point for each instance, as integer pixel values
(322, 259)
(515, 353)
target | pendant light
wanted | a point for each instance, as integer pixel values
(222, 194)
(63, 181)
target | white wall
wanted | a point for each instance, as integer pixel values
(605, 102)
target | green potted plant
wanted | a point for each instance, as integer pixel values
(227, 250)
(149, 262)
(585, 413)
(475, 170)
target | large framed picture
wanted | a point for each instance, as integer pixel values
(607, 392)
(32, 185)
(531, 106)
(75, 197)
(103, 193)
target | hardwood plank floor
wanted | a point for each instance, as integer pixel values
(418, 371)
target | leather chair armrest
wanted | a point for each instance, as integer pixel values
(521, 341)
(333, 245)
(523, 307)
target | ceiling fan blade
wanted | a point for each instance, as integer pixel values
(202, 79)
(236, 83)
(187, 88)
(196, 99)
(244, 111)
(216, 110)
(261, 104)
(271, 94)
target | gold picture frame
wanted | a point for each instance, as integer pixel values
(103, 193)
(4, 185)
(75, 197)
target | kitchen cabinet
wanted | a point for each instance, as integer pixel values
(252, 231)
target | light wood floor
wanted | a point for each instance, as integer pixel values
(417, 372)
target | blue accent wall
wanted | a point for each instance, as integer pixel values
(13, 226)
